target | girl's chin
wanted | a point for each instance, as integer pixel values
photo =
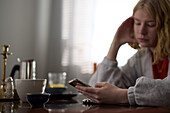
(145, 46)
(140, 45)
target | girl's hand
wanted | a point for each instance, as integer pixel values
(123, 34)
(104, 93)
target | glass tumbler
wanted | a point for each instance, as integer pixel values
(56, 80)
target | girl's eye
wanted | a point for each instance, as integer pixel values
(137, 23)
(151, 24)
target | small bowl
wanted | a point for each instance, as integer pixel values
(37, 100)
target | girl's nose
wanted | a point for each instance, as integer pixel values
(143, 29)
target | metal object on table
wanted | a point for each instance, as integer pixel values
(5, 56)
(26, 68)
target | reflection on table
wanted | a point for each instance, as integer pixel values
(75, 105)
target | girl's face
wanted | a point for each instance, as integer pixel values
(145, 29)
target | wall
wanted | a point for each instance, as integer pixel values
(24, 25)
(17, 28)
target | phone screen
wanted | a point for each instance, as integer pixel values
(75, 81)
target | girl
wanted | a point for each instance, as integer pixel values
(145, 79)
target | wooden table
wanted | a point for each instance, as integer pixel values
(76, 106)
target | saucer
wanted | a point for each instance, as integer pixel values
(55, 90)
(64, 96)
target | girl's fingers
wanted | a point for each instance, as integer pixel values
(100, 84)
(90, 96)
(128, 23)
(86, 89)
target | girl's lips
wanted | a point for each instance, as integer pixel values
(142, 40)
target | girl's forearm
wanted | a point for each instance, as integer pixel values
(112, 54)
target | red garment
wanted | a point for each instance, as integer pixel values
(160, 70)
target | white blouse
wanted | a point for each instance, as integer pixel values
(137, 77)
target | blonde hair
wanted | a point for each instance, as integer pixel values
(160, 12)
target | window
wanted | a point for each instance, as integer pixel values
(88, 30)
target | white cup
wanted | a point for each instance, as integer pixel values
(24, 86)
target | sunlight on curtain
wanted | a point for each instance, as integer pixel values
(78, 17)
(88, 29)
(108, 17)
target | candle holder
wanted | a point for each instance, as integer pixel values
(5, 56)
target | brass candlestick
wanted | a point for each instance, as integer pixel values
(5, 56)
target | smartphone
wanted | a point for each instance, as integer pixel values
(74, 82)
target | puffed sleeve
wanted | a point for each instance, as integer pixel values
(108, 71)
(151, 92)
(104, 70)
(125, 76)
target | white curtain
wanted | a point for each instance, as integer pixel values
(88, 28)
(77, 32)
